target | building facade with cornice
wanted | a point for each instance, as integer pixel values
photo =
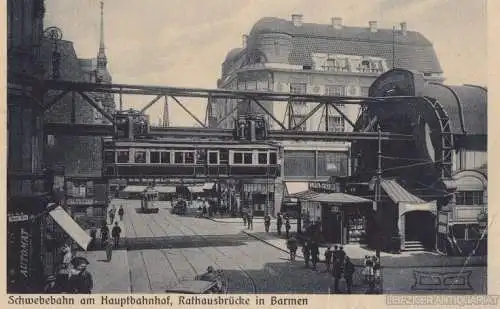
(294, 56)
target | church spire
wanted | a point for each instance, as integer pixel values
(101, 56)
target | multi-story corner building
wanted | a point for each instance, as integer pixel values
(79, 156)
(324, 59)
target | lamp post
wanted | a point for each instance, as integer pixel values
(55, 35)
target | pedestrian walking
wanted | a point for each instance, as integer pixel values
(115, 233)
(287, 227)
(104, 233)
(337, 274)
(81, 282)
(121, 212)
(244, 216)
(93, 236)
(291, 244)
(279, 223)
(314, 254)
(267, 222)
(306, 251)
(108, 245)
(250, 221)
(348, 273)
(111, 214)
(328, 258)
(341, 256)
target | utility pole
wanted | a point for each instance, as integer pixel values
(393, 47)
(377, 192)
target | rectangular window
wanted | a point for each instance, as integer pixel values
(247, 158)
(238, 158)
(262, 158)
(365, 91)
(109, 157)
(154, 157)
(179, 157)
(140, 157)
(213, 157)
(299, 88)
(336, 124)
(189, 157)
(123, 157)
(335, 90)
(469, 198)
(165, 157)
(273, 158)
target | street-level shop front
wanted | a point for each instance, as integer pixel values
(34, 239)
(343, 218)
(257, 196)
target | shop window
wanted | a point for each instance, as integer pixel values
(247, 158)
(262, 158)
(109, 157)
(238, 158)
(140, 157)
(273, 158)
(165, 157)
(123, 156)
(213, 157)
(154, 157)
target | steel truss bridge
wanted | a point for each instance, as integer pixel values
(50, 92)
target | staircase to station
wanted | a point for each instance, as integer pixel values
(414, 245)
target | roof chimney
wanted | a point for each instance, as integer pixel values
(297, 20)
(244, 39)
(337, 22)
(404, 27)
(373, 25)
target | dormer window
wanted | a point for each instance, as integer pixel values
(337, 65)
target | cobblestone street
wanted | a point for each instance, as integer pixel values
(159, 250)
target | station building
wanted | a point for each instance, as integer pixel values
(295, 56)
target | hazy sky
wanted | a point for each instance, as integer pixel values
(184, 42)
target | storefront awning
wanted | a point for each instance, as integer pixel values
(70, 227)
(208, 186)
(304, 195)
(195, 189)
(405, 200)
(399, 194)
(134, 189)
(296, 187)
(165, 189)
(339, 198)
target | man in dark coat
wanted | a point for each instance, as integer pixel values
(287, 227)
(115, 232)
(267, 222)
(104, 233)
(121, 212)
(306, 252)
(82, 282)
(337, 274)
(279, 223)
(314, 254)
(348, 273)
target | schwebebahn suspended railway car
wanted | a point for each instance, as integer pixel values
(178, 158)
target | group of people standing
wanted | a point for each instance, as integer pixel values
(279, 224)
(109, 243)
